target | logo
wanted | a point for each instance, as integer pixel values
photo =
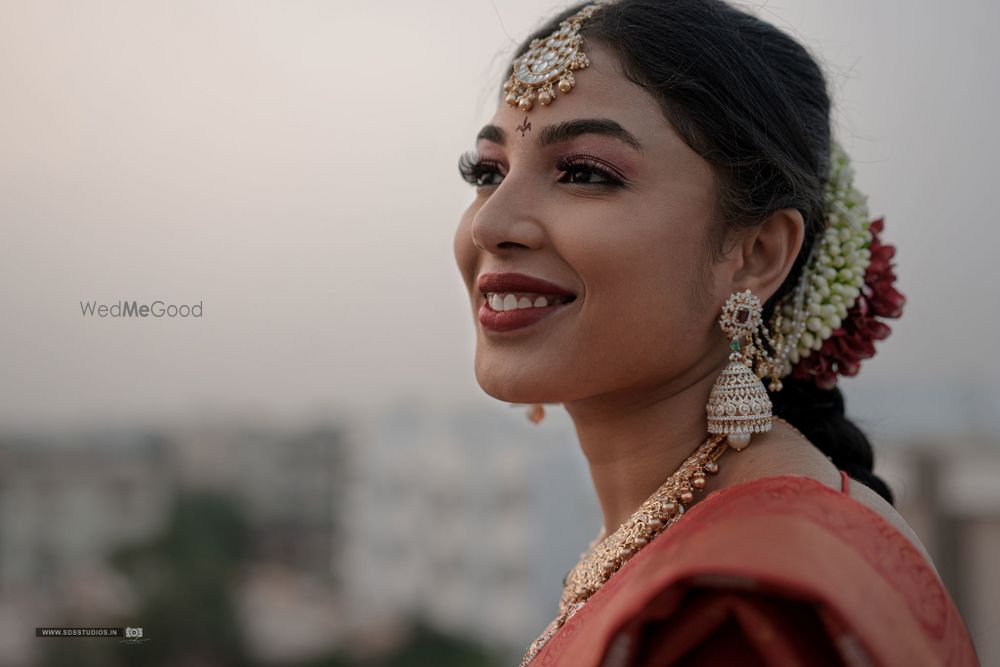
(133, 636)
(135, 309)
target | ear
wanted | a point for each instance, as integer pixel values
(765, 254)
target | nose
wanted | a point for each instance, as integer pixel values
(509, 218)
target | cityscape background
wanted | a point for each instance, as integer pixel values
(308, 474)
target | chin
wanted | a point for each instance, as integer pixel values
(517, 387)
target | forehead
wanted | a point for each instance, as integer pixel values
(601, 91)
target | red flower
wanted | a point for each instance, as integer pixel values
(843, 351)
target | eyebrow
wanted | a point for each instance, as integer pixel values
(554, 134)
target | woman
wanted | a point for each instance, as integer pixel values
(661, 222)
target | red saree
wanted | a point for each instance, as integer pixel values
(780, 570)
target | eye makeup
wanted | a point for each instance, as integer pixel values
(478, 171)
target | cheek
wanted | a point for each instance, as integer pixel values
(645, 299)
(464, 249)
(650, 270)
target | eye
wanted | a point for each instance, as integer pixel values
(579, 170)
(583, 169)
(477, 171)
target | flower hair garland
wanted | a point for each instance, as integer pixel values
(828, 324)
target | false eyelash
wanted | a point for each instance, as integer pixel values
(472, 167)
(588, 163)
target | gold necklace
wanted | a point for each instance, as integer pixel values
(656, 514)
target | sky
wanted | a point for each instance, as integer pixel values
(291, 167)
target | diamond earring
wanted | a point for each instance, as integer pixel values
(738, 404)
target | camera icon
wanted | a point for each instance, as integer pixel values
(133, 633)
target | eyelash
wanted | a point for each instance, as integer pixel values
(472, 168)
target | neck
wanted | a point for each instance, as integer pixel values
(634, 440)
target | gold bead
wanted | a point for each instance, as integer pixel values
(511, 99)
(670, 508)
(565, 85)
(507, 85)
(698, 482)
(687, 497)
(524, 103)
(545, 97)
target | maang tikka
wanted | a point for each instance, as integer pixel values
(549, 63)
(738, 404)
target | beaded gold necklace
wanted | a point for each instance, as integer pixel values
(661, 510)
(656, 514)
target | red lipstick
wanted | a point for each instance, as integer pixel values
(506, 283)
(519, 282)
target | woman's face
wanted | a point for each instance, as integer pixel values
(620, 220)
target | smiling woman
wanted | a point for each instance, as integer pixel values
(662, 221)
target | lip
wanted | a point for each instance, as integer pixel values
(509, 320)
(519, 282)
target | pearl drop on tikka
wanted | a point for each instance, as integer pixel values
(738, 441)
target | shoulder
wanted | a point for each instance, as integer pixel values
(877, 504)
(787, 454)
(787, 566)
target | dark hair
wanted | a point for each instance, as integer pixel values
(753, 102)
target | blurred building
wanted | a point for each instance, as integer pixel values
(949, 492)
(289, 481)
(65, 504)
(467, 516)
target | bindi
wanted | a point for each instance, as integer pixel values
(524, 126)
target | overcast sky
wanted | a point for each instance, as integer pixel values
(291, 165)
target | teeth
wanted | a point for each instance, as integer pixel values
(501, 302)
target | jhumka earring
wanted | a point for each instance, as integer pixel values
(536, 413)
(738, 404)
